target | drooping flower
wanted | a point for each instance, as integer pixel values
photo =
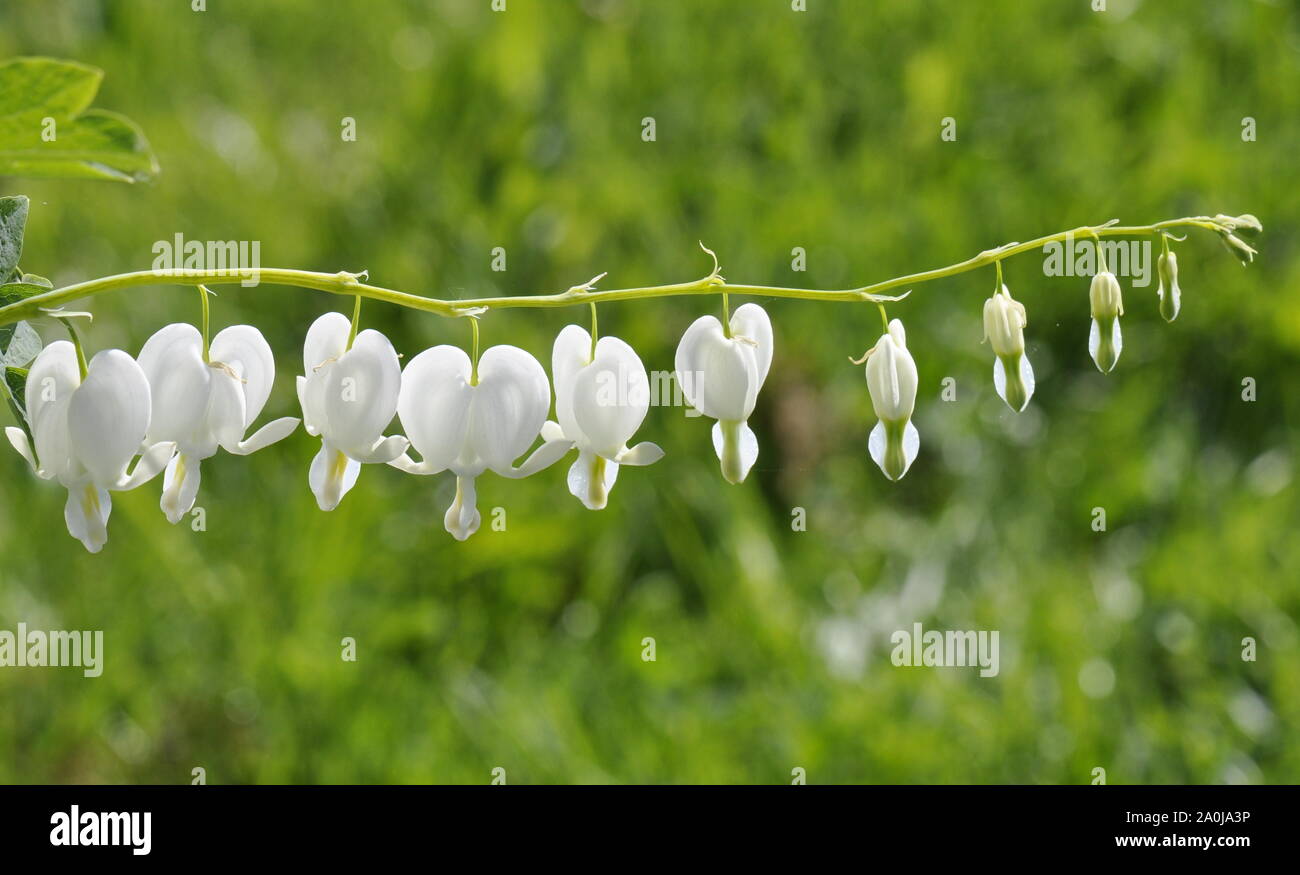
(891, 380)
(348, 398)
(202, 405)
(600, 402)
(1004, 329)
(1105, 341)
(472, 420)
(720, 373)
(1170, 294)
(86, 431)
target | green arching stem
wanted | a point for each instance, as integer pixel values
(595, 331)
(998, 265)
(344, 283)
(726, 315)
(203, 304)
(356, 320)
(884, 317)
(76, 344)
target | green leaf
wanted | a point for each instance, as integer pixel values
(16, 382)
(47, 130)
(13, 219)
(12, 293)
(21, 347)
(14, 388)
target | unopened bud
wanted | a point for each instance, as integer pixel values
(1170, 296)
(1105, 340)
(1238, 247)
(1004, 328)
(892, 380)
(1004, 323)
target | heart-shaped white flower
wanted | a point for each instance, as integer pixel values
(468, 426)
(892, 380)
(348, 397)
(201, 406)
(87, 431)
(1004, 329)
(600, 402)
(720, 376)
(1105, 342)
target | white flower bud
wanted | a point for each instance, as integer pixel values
(1170, 295)
(892, 381)
(1106, 296)
(1105, 341)
(1004, 323)
(1004, 329)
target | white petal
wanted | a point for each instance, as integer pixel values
(227, 413)
(878, 446)
(591, 478)
(462, 518)
(405, 463)
(275, 430)
(331, 475)
(610, 398)
(300, 384)
(360, 393)
(180, 487)
(327, 339)
(246, 352)
(385, 450)
(1026, 377)
(718, 376)
(108, 415)
(543, 457)
(736, 447)
(751, 321)
(571, 353)
(18, 438)
(1105, 364)
(53, 377)
(172, 362)
(153, 460)
(551, 431)
(644, 453)
(86, 514)
(509, 406)
(434, 405)
(688, 360)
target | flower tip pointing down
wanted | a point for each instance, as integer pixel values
(1004, 328)
(892, 382)
(721, 375)
(1105, 340)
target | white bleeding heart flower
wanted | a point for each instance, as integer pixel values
(720, 376)
(891, 380)
(348, 398)
(600, 402)
(87, 431)
(1004, 329)
(470, 426)
(201, 406)
(1105, 341)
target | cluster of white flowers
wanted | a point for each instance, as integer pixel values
(183, 399)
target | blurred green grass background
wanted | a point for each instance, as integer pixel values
(775, 129)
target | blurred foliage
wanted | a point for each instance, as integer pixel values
(775, 129)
